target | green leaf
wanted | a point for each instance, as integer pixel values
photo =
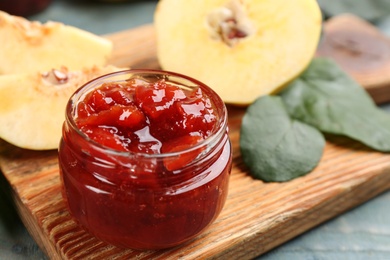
(275, 147)
(327, 98)
(367, 9)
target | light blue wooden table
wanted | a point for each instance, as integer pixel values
(362, 233)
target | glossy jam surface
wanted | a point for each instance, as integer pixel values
(149, 118)
(137, 166)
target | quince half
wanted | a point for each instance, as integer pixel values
(30, 46)
(242, 49)
(33, 105)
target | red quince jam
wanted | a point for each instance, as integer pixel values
(152, 119)
(145, 164)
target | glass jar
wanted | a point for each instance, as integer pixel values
(130, 199)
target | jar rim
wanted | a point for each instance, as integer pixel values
(217, 133)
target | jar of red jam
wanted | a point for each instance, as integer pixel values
(145, 158)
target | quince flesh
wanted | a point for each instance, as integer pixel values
(28, 46)
(33, 105)
(241, 48)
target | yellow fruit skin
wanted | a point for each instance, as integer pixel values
(32, 110)
(285, 40)
(31, 46)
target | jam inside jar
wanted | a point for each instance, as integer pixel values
(145, 158)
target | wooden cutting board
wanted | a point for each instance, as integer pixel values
(256, 218)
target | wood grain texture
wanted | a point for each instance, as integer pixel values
(256, 218)
(361, 50)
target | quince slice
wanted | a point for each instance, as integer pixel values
(33, 105)
(241, 48)
(32, 46)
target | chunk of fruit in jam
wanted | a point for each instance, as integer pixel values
(152, 118)
(180, 144)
